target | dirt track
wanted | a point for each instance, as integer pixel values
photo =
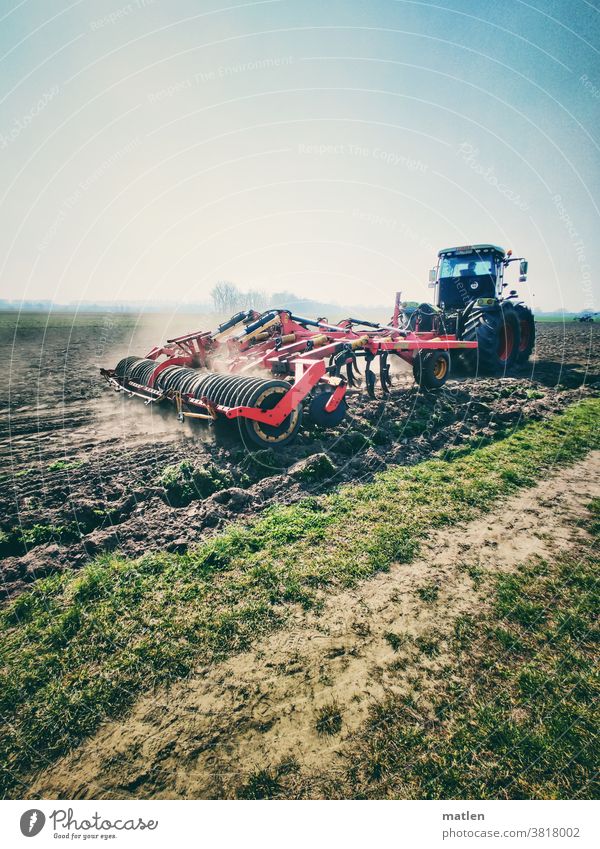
(81, 465)
(203, 737)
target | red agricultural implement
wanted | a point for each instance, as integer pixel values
(267, 370)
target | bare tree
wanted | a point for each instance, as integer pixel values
(255, 299)
(226, 297)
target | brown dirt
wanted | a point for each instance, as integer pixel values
(55, 407)
(204, 736)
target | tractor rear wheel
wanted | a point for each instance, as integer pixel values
(527, 332)
(498, 334)
(431, 369)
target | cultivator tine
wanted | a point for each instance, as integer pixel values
(336, 361)
(350, 374)
(384, 373)
(346, 357)
(352, 370)
(370, 378)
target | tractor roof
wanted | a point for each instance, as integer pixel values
(460, 249)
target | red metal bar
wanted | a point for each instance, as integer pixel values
(184, 360)
(336, 397)
(306, 379)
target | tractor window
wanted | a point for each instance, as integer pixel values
(467, 266)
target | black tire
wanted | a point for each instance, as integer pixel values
(497, 333)
(266, 396)
(527, 332)
(431, 369)
(319, 415)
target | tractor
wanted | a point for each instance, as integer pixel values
(470, 303)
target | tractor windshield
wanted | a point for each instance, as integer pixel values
(466, 276)
(471, 265)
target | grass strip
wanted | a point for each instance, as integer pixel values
(76, 649)
(518, 716)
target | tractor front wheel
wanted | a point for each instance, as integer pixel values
(431, 369)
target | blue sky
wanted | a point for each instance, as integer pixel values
(151, 148)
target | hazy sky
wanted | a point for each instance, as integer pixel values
(151, 148)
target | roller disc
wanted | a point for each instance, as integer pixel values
(199, 389)
(247, 391)
(161, 380)
(124, 366)
(141, 372)
(234, 391)
(215, 389)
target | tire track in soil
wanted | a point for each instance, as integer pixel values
(204, 736)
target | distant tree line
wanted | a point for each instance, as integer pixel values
(227, 298)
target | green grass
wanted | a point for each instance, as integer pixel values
(318, 468)
(396, 641)
(39, 534)
(185, 482)
(18, 540)
(519, 719)
(267, 783)
(329, 719)
(429, 592)
(78, 648)
(64, 465)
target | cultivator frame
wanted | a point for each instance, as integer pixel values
(312, 364)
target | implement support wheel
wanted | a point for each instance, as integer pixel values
(265, 435)
(431, 369)
(319, 415)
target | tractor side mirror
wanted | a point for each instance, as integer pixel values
(523, 265)
(432, 277)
